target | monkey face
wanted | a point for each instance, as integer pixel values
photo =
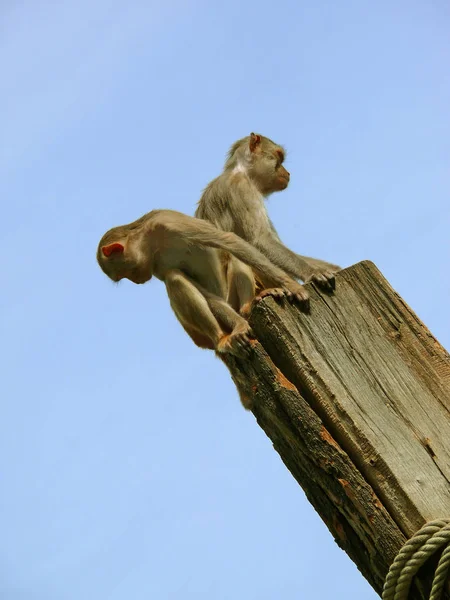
(124, 260)
(268, 173)
(267, 164)
(137, 276)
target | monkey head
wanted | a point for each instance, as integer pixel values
(121, 254)
(262, 159)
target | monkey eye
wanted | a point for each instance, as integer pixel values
(280, 156)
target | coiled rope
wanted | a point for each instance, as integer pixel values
(432, 537)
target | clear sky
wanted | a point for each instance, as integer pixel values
(129, 469)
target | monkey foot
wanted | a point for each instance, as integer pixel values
(324, 279)
(246, 309)
(299, 296)
(237, 342)
(277, 293)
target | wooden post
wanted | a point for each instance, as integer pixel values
(355, 397)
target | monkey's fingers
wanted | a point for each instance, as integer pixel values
(244, 348)
(242, 336)
(250, 334)
(237, 344)
(300, 296)
(243, 331)
(240, 347)
(304, 305)
(276, 293)
(325, 280)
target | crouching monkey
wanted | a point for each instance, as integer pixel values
(185, 253)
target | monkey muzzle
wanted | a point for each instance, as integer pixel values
(283, 181)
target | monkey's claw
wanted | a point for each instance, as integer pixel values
(324, 279)
(237, 342)
(277, 293)
(298, 294)
(303, 303)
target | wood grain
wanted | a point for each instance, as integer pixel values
(355, 397)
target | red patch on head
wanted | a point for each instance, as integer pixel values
(112, 249)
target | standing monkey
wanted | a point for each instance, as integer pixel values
(184, 252)
(234, 201)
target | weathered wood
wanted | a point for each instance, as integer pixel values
(355, 397)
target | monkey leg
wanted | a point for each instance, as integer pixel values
(241, 284)
(200, 340)
(192, 310)
(201, 316)
(237, 341)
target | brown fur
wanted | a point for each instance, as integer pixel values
(234, 202)
(186, 254)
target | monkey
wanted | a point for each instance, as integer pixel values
(184, 253)
(234, 202)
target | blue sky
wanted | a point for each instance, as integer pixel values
(129, 469)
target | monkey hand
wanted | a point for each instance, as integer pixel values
(294, 292)
(324, 278)
(237, 342)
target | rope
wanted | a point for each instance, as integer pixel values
(416, 551)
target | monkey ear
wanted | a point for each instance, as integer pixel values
(255, 140)
(112, 249)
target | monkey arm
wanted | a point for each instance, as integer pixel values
(302, 267)
(313, 262)
(321, 264)
(252, 223)
(201, 232)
